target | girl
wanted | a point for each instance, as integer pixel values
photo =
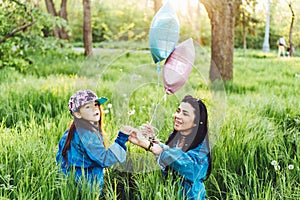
(186, 153)
(82, 146)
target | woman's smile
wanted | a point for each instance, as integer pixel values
(178, 122)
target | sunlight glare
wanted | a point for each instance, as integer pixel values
(183, 5)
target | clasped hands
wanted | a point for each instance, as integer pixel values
(144, 138)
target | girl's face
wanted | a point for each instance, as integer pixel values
(90, 112)
(184, 118)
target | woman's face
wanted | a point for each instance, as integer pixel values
(90, 112)
(184, 118)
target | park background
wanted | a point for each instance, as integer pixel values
(256, 144)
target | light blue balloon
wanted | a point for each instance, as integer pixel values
(164, 33)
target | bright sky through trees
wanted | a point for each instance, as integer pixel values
(182, 5)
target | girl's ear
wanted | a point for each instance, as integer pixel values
(77, 115)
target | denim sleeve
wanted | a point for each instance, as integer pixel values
(97, 152)
(192, 164)
(122, 139)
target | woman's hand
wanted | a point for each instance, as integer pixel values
(156, 149)
(138, 139)
(148, 132)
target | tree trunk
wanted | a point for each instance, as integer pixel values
(244, 33)
(51, 9)
(87, 28)
(58, 33)
(244, 42)
(157, 5)
(221, 14)
(291, 51)
(266, 45)
(63, 14)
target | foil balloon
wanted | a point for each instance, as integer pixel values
(164, 33)
(178, 66)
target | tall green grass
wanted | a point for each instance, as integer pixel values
(261, 126)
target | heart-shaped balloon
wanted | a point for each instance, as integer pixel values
(164, 33)
(178, 66)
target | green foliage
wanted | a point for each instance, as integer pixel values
(245, 23)
(251, 21)
(111, 21)
(120, 23)
(15, 50)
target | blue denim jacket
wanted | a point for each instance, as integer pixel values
(191, 165)
(87, 152)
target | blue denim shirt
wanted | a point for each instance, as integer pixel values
(191, 165)
(87, 152)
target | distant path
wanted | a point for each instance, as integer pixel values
(107, 50)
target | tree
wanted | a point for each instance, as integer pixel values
(63, 14)
(245, 21)
(24, 25)
(157, 5)
(221, 14)
(191, 18)
(266, 45)
(291, 50)
(87, 28)
(58, 32)
(20, 34)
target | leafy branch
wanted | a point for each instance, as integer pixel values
(21, 28)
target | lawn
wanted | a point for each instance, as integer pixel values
(254, 124)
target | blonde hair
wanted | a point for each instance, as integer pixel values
(101, 127)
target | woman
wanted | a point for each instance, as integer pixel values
(82, 148)
(187, 152)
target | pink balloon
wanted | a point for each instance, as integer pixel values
(178, 66)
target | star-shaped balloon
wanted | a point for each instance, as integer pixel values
(164, 33)
(178, 66)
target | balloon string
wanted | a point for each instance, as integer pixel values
(158, 69)
(157, 90)
(152, 117)
(157, 87)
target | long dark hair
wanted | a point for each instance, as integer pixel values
(81, 123)
(199, 132)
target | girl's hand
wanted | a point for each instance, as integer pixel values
(137, 139)
(147, 130)
(126, 129)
